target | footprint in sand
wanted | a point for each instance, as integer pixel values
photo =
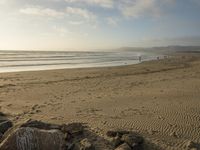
(35, 109)
(9, 105)
(89, 112)
(152, 132)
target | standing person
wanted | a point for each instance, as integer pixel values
(140, 58)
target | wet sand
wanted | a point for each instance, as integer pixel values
(159, 99)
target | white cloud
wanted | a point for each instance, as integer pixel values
(80, 12)
(101, 3)
(48, 12)
(128, 8)
(39, 11)
(79, 16)
(74, 15)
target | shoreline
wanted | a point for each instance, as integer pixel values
(19, 63)
(86, 68)
(159, 98)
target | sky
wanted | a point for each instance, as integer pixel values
(97, 24)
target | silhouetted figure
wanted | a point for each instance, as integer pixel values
(158, 58)
(140, 58)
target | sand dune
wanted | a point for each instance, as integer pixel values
(159, 99)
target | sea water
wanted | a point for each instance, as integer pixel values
(14, 61)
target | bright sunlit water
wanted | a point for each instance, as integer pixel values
(12, 61)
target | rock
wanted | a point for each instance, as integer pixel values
(5, 125)
(133, 140)
(1, 135)
(70, 146)
(114, 133)
(111, 133)
(192, 145)
(116, 141)
(2, 114)
(3, 119)
(124, 146)
(86, 145)
(40, 125)
(74, 129)
(27, 138)
(67, 136)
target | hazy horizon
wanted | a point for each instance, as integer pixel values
(97, 24)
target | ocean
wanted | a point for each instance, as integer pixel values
(15, 61)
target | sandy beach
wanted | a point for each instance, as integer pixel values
(160, 99)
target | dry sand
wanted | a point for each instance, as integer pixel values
(159, 99)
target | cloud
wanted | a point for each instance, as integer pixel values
(127, 8)
(138, 8)
(71, 12)
(84, 13)
(130, 8)
(101, 3)
(74, 15)
(48, 12)
(79, 16)
(39, 11)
